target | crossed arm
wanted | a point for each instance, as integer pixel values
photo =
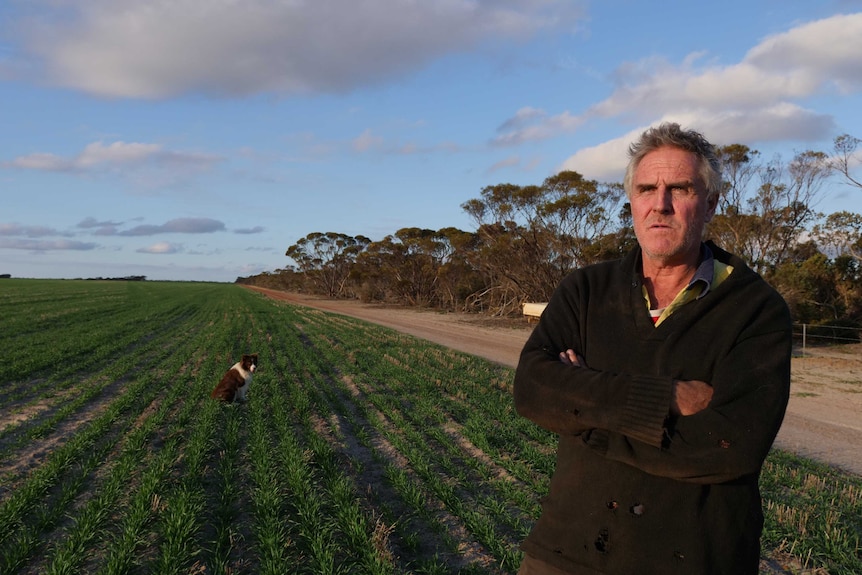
(687, 397)
(683, 429)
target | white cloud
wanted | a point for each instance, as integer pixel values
(521, 118)
(45, 245)
(825, 52)
(161, 248)
(117, 153)
(41, 162)
(759, 99)
(366, 141)
(13, 230)
(99, 228)
(510, 162)
(605, 162)
(115, 156)
(91, 222)
(531, 124)
(248, 231)
(803, 62)
(177, 226)
(127, 48)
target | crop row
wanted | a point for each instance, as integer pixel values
(115, 460)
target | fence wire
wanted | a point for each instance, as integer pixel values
(819, 335)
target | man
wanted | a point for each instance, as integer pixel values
(666, 375)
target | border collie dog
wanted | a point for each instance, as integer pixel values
(235, 383)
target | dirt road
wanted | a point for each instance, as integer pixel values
(824, 417)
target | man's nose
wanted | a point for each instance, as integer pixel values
(663, 200)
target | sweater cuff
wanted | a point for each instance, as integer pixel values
(648, 405)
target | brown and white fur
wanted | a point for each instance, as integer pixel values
(236, 381)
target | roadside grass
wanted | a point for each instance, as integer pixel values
(360, 450)
(813, 514)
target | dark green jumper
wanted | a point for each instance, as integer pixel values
(636, 491)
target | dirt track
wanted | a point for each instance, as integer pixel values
(823, 420)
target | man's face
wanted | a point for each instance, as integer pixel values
(669, 206)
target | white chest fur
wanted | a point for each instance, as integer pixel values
(246, 374)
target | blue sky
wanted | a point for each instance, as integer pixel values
(199, 139)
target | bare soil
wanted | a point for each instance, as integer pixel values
(824, 416)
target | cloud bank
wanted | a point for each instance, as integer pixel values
(132, 49)
(18, 237)
(759, 99)
(114, 157)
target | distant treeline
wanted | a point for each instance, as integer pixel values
(529, 237)
(122, 279)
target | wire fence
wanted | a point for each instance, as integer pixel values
(808, 335)
(828, 350)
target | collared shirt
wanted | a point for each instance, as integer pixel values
(709, 275)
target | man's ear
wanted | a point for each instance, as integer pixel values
(711, 205)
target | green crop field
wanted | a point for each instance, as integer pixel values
(360, 450)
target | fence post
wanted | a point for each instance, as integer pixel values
(804, 353)
(804, 329)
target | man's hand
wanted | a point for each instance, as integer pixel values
(569, 357)
(690, 396)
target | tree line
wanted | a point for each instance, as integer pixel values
(528, 237)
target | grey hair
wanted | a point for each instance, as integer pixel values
(671, 135)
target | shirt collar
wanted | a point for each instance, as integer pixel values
(705, 271)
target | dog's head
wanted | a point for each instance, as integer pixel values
(249, 362)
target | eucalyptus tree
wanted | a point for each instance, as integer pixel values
(819, 289)
(458, 277)
(326, 259)
(739, 167)
(840, 234)
(766, 215)
(766, 208)
(417, 266)
(532, 236)
(406, 263)
(847, 156)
